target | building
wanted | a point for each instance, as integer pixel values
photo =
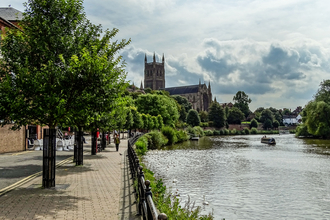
(200, 95)
(154, 74)
(9, 18)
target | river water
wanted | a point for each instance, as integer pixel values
(241, 178)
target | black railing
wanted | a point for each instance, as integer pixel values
(145, 206)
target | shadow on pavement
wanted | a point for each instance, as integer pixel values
(19, 171)
(37, 203)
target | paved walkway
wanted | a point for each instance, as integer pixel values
(100, 189)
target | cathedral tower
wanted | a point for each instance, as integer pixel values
(154, 73)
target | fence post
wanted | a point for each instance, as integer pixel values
(141, 190)
(162, 216)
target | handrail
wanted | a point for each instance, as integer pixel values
(146, 206)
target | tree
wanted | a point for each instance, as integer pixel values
(323, 93)
(137, 118)
(267, 124)
(160, 121)
(276, 124)
(235, 116)
(203, 116)
(183, 101)
(217, 115)
(254, 123)
(316, 117)
(193, 118)
(266, 114)
(154, 105)
(242, 102)
(226, 111)
(58, 61)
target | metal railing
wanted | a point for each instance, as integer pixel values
(145, 206)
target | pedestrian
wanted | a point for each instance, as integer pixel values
(117, 142)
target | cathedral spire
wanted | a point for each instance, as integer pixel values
(154, 57)
(145, 57)
(163, 60)
(141, 87)
(209, 86)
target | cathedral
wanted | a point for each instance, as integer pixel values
(200, 95)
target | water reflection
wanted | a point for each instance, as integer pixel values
(244, 179)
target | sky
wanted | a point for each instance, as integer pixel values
(276, 51)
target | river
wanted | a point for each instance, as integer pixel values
(241, 178)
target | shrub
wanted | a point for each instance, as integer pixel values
(193, 118)
(170, 134)
(141, 145)
(234, 131)
(208, 133)
(246, 131)
(156, 140)
(222, 132)
(254, 123)
(216, 132)
(199, 131)
(190, 130)
(204, 124)
(226, 132)
(182, 136)
(254, 131)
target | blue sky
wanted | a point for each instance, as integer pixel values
(276, 51)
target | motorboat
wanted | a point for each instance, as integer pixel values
(266, 140)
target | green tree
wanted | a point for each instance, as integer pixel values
(323, 93)
(267, 124)
(235, 116)
(154, 105)
(276, 124)
(155, 122)
(226, 111)
(217, 115)
(254, 123)
(137, 118)
(183, 101)
(286, 112)
(242, 102)
(145, 121)
(203, 116)
(160, 121)
(316, 118)
(193, 118)
(266, 114)
(58, 61)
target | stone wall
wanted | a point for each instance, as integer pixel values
(11, 141)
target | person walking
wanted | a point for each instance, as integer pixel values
(117, 142)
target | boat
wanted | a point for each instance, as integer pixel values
(195, 138)
(284, 132)
(270, 141)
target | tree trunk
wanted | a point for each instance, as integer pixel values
(94, 142)
(49, 157)
(80, 147)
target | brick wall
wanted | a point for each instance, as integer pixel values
(11, 141)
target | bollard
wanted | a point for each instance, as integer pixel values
(162, 216)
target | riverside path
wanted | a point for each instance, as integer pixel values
(100, 189)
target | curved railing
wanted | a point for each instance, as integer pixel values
(145, 206)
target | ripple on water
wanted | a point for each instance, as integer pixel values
(244, 179)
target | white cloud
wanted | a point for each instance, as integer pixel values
(278, 51)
